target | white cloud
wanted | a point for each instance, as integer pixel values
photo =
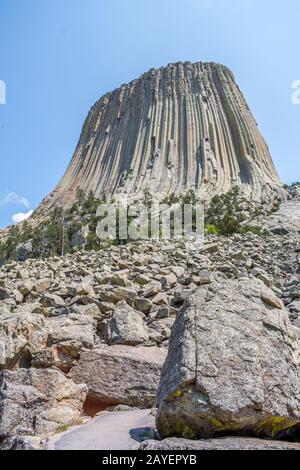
(16, 218)
(13, 198)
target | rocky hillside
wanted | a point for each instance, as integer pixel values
(71, 229)
(90, 330)
(183, 126)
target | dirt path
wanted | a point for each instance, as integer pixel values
(111, 431)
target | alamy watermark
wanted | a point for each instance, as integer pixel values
(2, 92)
(151, 222)
(296, 92)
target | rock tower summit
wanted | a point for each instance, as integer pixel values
(180, 127)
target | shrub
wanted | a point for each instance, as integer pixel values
(211, 229)
(255, 230)
(170, 199)
(190, 197)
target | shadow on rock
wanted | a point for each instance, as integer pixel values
(142, 434)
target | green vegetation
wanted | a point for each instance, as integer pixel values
(211, 229)
(255, 230)
(14, 238)
(63, 428)
(62, 231)
(188, 198)
(221, 214)
(293, 190)
(170, 199)
(54, 237)
(224, 216)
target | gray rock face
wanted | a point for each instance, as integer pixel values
(120, 374)
(286, 219)
(126, 326)
(225, 443)
(52, 300)
(232, 366)
(79, 238)
(24, 251)
(21, 334)
(179, 127)
(38, 401)
(61, 355)
(22, 443)
(4, 293)
(73, 327)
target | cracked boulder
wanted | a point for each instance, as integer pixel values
(61, 355)
(120, 374)
(232, 366)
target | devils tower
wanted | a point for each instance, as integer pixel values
(183, 126)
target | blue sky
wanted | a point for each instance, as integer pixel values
(57, 57)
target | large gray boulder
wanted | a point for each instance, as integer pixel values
(126, 326)
(38, 402)
(120, 374)
(73, 327)
(232, 366)
(21, 334)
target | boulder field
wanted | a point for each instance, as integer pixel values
(88, 331)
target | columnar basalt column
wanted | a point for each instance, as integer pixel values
(183, 126)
